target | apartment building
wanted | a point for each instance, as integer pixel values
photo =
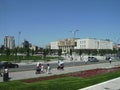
(9, 42)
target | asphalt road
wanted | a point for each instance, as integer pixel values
(28, 67)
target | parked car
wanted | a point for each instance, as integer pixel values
(93, 59)
(6, 64)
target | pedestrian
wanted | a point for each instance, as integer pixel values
(0, 71)
(110, 60)
(6, 75)
(38, 68)
(48, 69)
(71, 58)
(42, 68)
(38, 64)
(60, 65)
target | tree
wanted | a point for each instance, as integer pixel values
(7, 51)
(80, 52)
(71, 52)
(44, 53)
(14, 51)
(28, 52)
(26, 46)
(2, 49)
(59, 52)
(32, 51)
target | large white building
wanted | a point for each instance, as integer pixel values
(89, 43)
(93, 44)
(9, 42)
(54, 45)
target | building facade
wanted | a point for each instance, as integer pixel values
(89, 43)
(54, 45)
(9, 42)
(94, 44)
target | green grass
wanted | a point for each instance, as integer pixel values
(15, 58)
(65, 83)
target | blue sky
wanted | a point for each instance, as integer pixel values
(43, 21)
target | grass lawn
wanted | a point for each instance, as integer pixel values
(15, 58)
(64, 83)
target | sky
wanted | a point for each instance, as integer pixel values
(43, 21)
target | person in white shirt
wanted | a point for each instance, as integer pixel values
(48, 69)
(6, 75)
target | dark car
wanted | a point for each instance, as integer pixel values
(93, 59)
(8, 65)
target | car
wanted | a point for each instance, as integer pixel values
(6, 64)
(93, 59)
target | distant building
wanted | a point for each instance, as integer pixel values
(54, 45)
(65, 44)
(9, 42)
(76, 43)
(117, 46)
(94, 44)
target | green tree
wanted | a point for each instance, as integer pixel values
(33, 52)
(59, 52)
(44, 53)
(2, 49)
(7, 51)
(80, 52)
(27, 52)
(71, 52)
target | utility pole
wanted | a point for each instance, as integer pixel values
(19, 33)
(74, 32)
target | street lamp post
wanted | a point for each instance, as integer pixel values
(74, 32)
(74, 36)
(19, 33)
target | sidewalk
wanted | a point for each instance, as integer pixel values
(109, 85)
(113, 84)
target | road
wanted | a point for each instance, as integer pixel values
(31, 73)
(32, 66)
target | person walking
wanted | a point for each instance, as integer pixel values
(110, 60)
(38, 69)
(48, 69)
(6, 75)
(1, 71)
(42, 68)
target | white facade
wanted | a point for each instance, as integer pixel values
(86, 44)
(93, 44)
(105, 44)
(54, 45)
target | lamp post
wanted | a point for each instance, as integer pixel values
(74, 32)
(19, 33)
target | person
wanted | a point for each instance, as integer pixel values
(38, 68)
(6, 75)
(71, 59)
(38, 64)
(42, 68)
(60, 65)
(110, 60)
(48, 69)
(1, 71)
